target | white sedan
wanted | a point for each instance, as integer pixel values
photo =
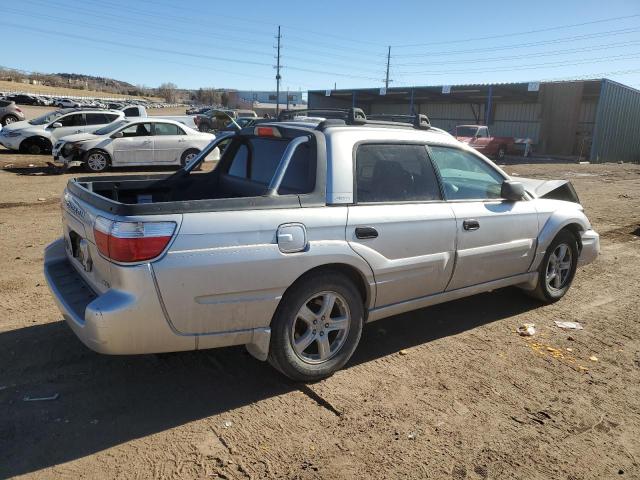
(133, 142)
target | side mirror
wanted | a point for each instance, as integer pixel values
(56, 125)
(512, 190)
(117, 135)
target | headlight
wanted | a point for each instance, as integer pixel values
(11, 134)
(68, 147)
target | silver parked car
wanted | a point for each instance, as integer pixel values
(10, 113)
(301, 234)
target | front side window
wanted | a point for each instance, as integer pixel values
(395, 173)
(74, 120)
(466, 176)
(167, 129)
(483, 132)
(137, 130)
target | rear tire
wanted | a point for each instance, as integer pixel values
(97, 161)
(557, 269)
(9, 119)
(316, 327)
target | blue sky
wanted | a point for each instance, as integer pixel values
(198, 43)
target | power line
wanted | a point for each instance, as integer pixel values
(529, 66)
(131, 33)
(520, 56)
(524, 45)
(528, 32)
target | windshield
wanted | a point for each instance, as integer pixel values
(466, 131)
(110, 128)
(46, 118)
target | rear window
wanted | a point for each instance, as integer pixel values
(257, 159)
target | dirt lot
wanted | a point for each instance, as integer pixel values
(446, 392)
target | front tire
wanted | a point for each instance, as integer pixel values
(35, 146)
(316, 327)
(502, 152)
(557, 269)
(97, 161)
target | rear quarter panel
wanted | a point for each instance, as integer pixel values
(224, 272)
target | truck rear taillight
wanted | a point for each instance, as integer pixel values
(132, 241)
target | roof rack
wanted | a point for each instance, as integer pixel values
(356, 116)
(328, 113)
(419, 121)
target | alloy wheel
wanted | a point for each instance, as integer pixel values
(97, 162)
(558, 269)
(320, 327)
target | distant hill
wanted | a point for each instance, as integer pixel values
(73, 81)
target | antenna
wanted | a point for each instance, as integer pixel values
(278, 77)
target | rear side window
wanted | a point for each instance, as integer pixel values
(167, 129)
(131, 112)
(394, 173)
(257, 159)
(96, 119)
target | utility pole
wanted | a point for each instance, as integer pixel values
(278, 77)
(386, 80)
(287, 98)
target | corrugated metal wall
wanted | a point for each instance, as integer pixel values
(616, 135)
(520, 120)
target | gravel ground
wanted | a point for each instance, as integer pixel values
(449, 391)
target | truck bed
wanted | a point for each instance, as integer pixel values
(163, 194)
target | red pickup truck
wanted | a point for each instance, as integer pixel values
(477, 136)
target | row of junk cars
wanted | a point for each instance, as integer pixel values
(115, 135)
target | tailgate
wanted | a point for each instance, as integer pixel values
(80, 247)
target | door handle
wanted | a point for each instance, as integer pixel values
(146, 142)
(366, 232)
(471, 225)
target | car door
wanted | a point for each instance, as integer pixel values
(400, 224)
(168, 142)
(496, 238)
(135, 146)
(72, 123)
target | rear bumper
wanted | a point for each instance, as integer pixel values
(131, 320)
(590, 247)
(114, 322)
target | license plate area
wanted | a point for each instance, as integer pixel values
(79, 249)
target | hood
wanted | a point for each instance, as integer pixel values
(79, 137)
(17, 126)
(552, 189)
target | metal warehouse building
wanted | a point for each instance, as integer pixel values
(598, 120)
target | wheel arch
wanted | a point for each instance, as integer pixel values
(574, 222)
(351, 272)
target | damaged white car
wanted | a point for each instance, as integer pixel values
(133, 142)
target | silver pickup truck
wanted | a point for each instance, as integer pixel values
(303, 232)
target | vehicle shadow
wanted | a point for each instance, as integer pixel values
(104, 401)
